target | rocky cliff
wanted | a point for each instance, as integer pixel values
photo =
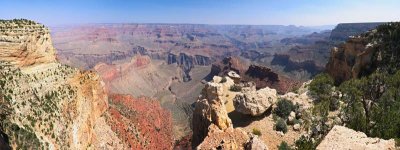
(51, 105)
(362, 55)
(24, 43)
(47, 105)
(349, 59)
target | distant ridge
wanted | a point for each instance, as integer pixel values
(343, 30)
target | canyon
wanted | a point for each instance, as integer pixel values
(53, 106)
(177, 86)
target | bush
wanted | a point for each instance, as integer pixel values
(284, 107)
(304, 143)
(235, 88)
(281, 126)
(284, 146)
(256, 132)
(321, 87)
(223, 80)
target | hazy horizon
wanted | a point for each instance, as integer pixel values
(310, 13)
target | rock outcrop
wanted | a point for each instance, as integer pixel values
(209, 110)
(212, 127)
(25, 43)
(53, 106)
(351, 59)
(254, 102)
(229, 139)
(343, 138)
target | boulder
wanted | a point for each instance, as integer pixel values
(292, 117)
(234, 76)
(254, 102)
(296, 127)
(256, 144)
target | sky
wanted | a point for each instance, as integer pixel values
(253, 12)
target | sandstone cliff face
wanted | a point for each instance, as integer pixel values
(52, 105)
(343, 138)
(350, 59)
(24, 43)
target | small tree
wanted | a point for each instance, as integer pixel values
(284, 146)
(281, 126)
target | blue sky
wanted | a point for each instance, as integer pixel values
(285, 12)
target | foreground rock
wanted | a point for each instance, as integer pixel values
(256, 144)
(254, 102)
(229, 139)
(343, 138)
(209, 110)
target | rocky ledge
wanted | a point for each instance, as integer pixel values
(344, 138)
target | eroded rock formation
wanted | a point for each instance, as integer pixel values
(260, 75)
(209, 110)
(53, 106)
(350, 60)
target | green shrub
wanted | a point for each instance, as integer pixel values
(256, 132)
(321, 87)
(284, 107)
(223, 80)
(281, 126)
(235, 88)
(284, 146)
(305, 143)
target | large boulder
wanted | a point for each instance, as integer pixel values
(344, 138)
(254, 102)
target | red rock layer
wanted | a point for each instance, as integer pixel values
(140, 122)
